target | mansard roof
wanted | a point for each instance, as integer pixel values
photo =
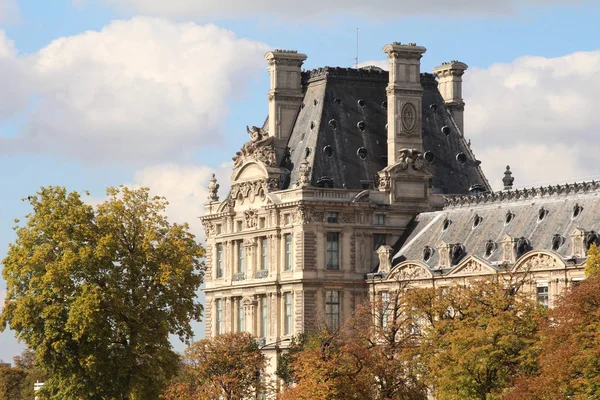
(554, 219)
(342, 126)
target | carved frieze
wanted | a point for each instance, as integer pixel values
(251, 218)
(259, 148)
(411, 272)
(539, 261)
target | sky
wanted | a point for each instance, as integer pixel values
(98, 93)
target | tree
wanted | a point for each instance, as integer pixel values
(26, 362)
(229, 366)
(373, 356)
(570, 357)
(96, 292)
(285, 369)
(477, 338)
(592, 264)
(11, 382)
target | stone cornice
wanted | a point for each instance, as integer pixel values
(522, 194)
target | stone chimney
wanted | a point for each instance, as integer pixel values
(405, 96)
(285, 95)
(449, 76)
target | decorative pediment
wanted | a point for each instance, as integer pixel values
(409, 271)
(408, 162)
(539, 260)
(259, 148)
(472, 265)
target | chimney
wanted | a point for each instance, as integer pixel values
(405, 96)
(285, 95)
(449, 76)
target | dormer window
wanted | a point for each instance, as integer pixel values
(577, 209)
(490, 247)
(325, 182)
(458, 252)
(477, 220)
(557, 241)
(446, 224)
(509, 217)
(590, 239)
(427, 253)
(542, 213)
(523, 246)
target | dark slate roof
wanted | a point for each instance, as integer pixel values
(559, 201)
(330, 115)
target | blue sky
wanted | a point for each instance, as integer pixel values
(97, 93)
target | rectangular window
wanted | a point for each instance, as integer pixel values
(238, 226)
(240, 257)
(542, 295)
(287, 218)
(385, 304)
(264, 253)
(219, 229)
(287, 323)
(264, 316)
(219, 319)
(288, 251)
(332, 217)
(241, 322)
(378, 240)
(379, 219)
(219, 260)
(332, 309)
(261, 222)
(333, 250)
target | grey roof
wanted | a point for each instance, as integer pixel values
(559, 202)
(333, 94)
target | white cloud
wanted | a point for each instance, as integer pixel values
(537, 114)
(9, 12)
(185, 187)
(15, 82)
(312, 8)
(137, 90)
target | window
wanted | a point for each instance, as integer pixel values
(379, 219)
(263, 254)
(332, 217)
(333, 250)
(287, 323)
(287, 219)
(240, 254)
(542, 294)
(219, 260)
(378, 240)
(264, 316)
(219, 229)
(241, 322)
(385, 303)
(238, 225)
(261, 222)
(219, 319)
(288, 252)
(332, 309)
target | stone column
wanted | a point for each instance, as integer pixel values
(405, 97)
(285, 95)
(449, 76)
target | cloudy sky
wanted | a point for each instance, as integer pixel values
(95, 93)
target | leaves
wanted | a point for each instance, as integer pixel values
(229, 366)
(97, 292)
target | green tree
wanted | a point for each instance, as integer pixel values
(229, 366)
(11, 382)
(477, 338)
(26, 362)
(592, 264)
(96, 292)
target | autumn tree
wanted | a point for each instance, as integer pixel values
(570, 357)
(374, 355)
(477, 338)
(229, 366)
(11, 382)
(97, 291)
(592, 264)
(26, 362)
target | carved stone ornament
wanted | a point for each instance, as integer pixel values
(306, 214)
(410, 157)
(385, 258)
(409, 117)
(539, 261)
(257, 188)
(209, 228)
(213, 189)
(385, 181)
(347, 218)
(250, 218)
(411, 272)
(259, 148)
(304, 174)
(472, 267)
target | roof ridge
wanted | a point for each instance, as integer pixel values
(521, 194)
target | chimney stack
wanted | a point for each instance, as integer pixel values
(285, 95)
(405, 97)
(449, 76)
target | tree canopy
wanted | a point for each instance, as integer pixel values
(229, 366)
(96, 292)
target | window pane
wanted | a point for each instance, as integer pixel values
(219, 322)
(378, 240)
(241, 317)
(240, 257)
(332, 309)
(264, 314)
(332, 217)
(287, 328)
(263, 254)
(219, 260)
(333, 250)
(542, 295)
(288, 252)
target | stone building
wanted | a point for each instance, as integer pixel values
(360, 178)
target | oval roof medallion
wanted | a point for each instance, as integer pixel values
(409, 117)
